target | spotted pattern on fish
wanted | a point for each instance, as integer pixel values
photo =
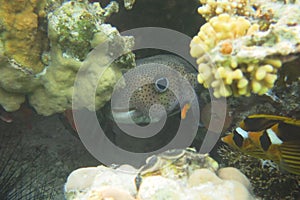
(147, 95)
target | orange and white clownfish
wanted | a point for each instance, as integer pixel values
(280, 143)
(269, 137)
(239, 139)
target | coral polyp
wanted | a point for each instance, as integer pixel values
(226, 48)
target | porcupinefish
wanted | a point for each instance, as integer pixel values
(159, 80)
(157, 92)
(271, 137)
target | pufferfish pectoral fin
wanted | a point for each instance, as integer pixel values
(184, 110)
(290, 157)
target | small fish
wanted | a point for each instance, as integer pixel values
(239, 139)
(280, 143)
(269, 137)
(165, 83)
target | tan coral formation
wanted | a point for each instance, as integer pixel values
(109, 193)
(163, 180)
(100, 182)
(226, 183)
(240, 55)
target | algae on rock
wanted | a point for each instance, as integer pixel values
(22, 41)
(52, 47)
(74, 29)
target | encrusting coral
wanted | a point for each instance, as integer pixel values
(43, 44)
(23, 40)
(74, 29)
(238, 53)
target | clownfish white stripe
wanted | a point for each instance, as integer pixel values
(273, 137)
(242, 132)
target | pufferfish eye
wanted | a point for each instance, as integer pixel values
(161, 84)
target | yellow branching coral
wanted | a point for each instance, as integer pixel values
(227, 80)
(220, 28)
(239, 50)
(211, 8)
(222, 64)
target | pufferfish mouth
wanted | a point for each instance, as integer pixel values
(129, 116)
(132, 115)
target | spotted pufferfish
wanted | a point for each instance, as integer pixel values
(164, 80)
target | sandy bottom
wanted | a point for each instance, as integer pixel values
(47, 147)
